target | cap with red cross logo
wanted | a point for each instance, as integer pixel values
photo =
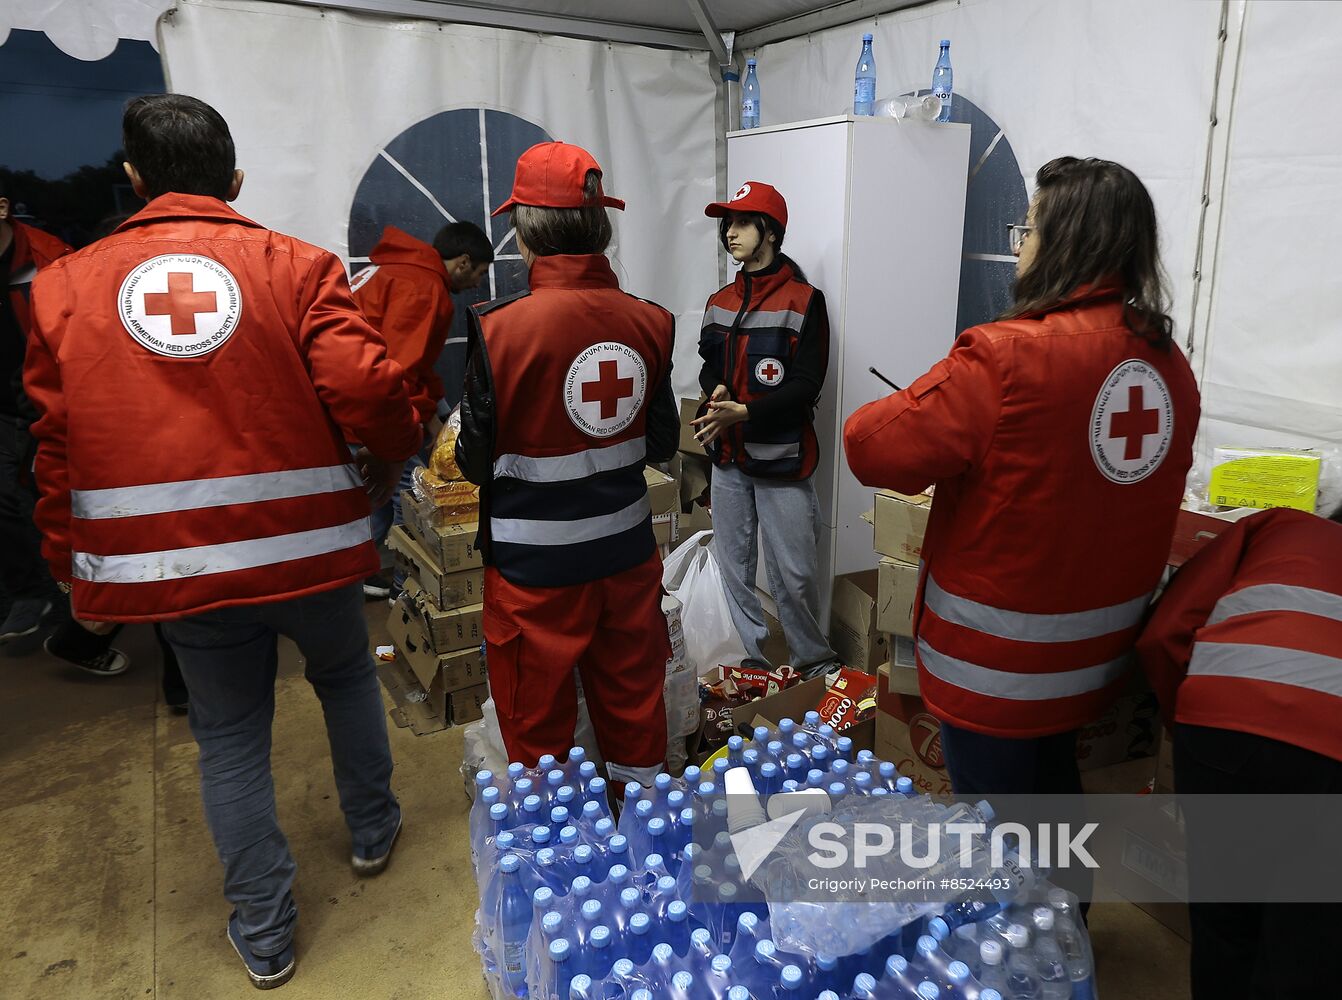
(605, 388)
(1131, 423)
(752, 196)
(552, 175)
(180, 305)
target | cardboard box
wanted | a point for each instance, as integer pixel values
(666, 528)
(445, 631)
(446, 590)
(689, 409)
(852, 623)
(696, 520)
(896, 592)
(795, 702)
(412, 708)
(910, 739)
(467, 705)
(663, 491)
(900, 522)
(448, 671)
(1129, 730)
(452, 546)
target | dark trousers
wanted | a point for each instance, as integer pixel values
(983, 766)
(71, 641)
(23, 573)
(1264, 951)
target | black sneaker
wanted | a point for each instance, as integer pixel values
(108, 663)
(265, 972)
(375, 588)
(24, 618)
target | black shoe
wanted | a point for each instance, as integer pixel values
(266, 972)
(24, 618)
(375, 588)
(108, 663)
(370, 861)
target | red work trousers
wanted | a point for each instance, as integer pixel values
(612, 631)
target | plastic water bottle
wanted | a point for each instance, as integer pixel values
(581, 988)
(992, 966)
(515, 915)
(941, 80)
(1054, 981)
(790, 981)
(864, 81)
(677, 927)
(864, 987)
(928, 991)
(560, 972)
(486, 797)
(898, 980)
(1022, 973)
(600, 956)
(750, 97)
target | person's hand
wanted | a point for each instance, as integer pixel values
(97, 628)
(720, 415)
(380, 478)
(719, 394)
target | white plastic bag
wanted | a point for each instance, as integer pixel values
(691, 575)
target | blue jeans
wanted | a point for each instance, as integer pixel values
(390, 512)
(228, 659)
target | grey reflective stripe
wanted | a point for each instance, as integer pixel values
(1071, 626)
(1277, 597)
(784, 319)
(24, 277)
(772, 452)
(525, 531)
(194, 494)
(362, 277)
(226, 557)
(1295, 667)
(1021, 687)
(564, 468)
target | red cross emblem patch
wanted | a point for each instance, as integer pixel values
(180, 305)
(769, 371)
(605, 388)
(1132, 423)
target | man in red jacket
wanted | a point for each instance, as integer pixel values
(406, 293)
(196, 376)
(1244, 651)
(26, 585)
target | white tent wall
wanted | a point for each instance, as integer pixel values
(313, 97)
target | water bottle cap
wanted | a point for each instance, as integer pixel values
(662, 953)
(812, 718)
(604, 826)
(540, 835)
(542, 896)
(721, 765)
(864, 981)
(791, 977)
(927, 945)
(582, 885)
(828, 995)
(591, 811)
(837, 789)
(483, 778)
(676, 800)
(945, 43)
(990, 952)
(938, 928)
(986, 811)
(887, 769)
(510, 863)
(826, 962)
(703, 873)
(632, 790)
(721, 964)
(666, 884)
(727, 892)
(619, 844)
(657, 827)
(790, 785)
(866, 757)
(687, 816)
(600, 936)
(1018, 936)
(904, 785)
(735, 743)
(840, 766)
(490, 795)
(629, 897)
(551, 922)
(738, 993)
(565, 795)
(532, 803)
(653, 861)
(691, 775)
(677, 911)
(928, 991)
(579, 983)
(683, 980)
(958, 972)
(545, 856)
(751, 758)
(498, 811)
(774, 747)
(559, 950)
(880, 790)
(700, 937)
(895, 965)
(555, 777)
(618, 874)
(750, 62)
(641, 994)
(515, 770)
(990, 994)
(523, 786)
(862, 778)
(867, 37)
(639, 923)
(662, 782)
(546, 762)
(504, 841)
(591, 909)
(794, 761)
(845, 743)
(577, 754)
(768, 769)
(764, 951)
(815, 776)
(623, 967)
(559, 816)
(1043, 918)
(706, 788)
(587, 770)
(819, 754)
(644, 808)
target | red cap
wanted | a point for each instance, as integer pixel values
(551, 175)
(752, 196)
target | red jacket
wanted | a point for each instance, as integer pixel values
(1249, 634)
(567, 395)
(33, 250)
(407, 295)
(1058, 445)
(766, 338)
(195, 373)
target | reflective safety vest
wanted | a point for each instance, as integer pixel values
(1248, 636)
(1059, 445)
(750, 334)
(573, 365)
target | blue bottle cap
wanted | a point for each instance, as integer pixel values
(498, 811)
(644, 808)
(555, 778)
(738, 993)
(540, 835)
(629, 898)
(828, 995)
(623, 968)
(591, 909)
(927, 945)
(545, 856)
(786, 725)
(938, 928)
(751, 758)
(559, 950)
(515, 770)
(662, 953)
(867, 37)
(864, 981)
(600, 936)
(845, 744)
(559, 816)
(483, 778)
(761, 734)
(510, 863)
(619, 844)
(546, 763)
(568, 836)
(826, 962)
(945, 42)
(543, 896)
(895, 965)
(583, 854)
(826, 730)
(677, 911)
(878, 790)
(582, 885)
(551, 922)
(747, 923)
(656, 827)
(531, 804)
(676, 800)
(700, 938)
(866, 757)
(641, 994)
(775, 747)
(904, 786)
(791, 977)
(837, 789)
(768, 769)
(928, 991)
(505, 840)
(721, 964)
(691, 775)
(618, 874)
(565, 795)
(720, 766)
(577, 754)
(666, 884)
(523, 786)
(734, 744)
(957, 972)
(579, 983)
(819, 754)
(887, 769)
(790, 785)
(841, 766)
(653, 861)
(727, 893)
(591, 811)
(632, 790)
(587, 771)
(750, 62)
(490, 795)
(990, 994)
(707, 789)
(683, 980)
(687, 816)
(764, 951)
(662, 782)
(640, 923)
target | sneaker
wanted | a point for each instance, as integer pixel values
(24, 618)
(108, 663)
(266, 972)
(370, 861)
(375, 588)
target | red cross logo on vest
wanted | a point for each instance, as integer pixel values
(180, 305)
(769, 371)
(605, 388)
(1131, 423)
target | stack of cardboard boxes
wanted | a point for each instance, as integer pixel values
(439, 676)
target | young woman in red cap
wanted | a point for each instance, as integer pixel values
(765, 345)
(567, 395)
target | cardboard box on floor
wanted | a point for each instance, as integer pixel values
(452, 546)
(446, 590)
(896, 591)
(445, 671)
(852, 621)
(899, 523)
(799, 699)
(663, 491)
(445, 631)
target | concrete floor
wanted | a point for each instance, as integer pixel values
(109, 887)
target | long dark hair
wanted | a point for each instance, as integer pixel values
(1095, 224)
(764, 224)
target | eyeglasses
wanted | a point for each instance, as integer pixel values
(1017, 234)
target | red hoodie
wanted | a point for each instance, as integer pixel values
(407, 295)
